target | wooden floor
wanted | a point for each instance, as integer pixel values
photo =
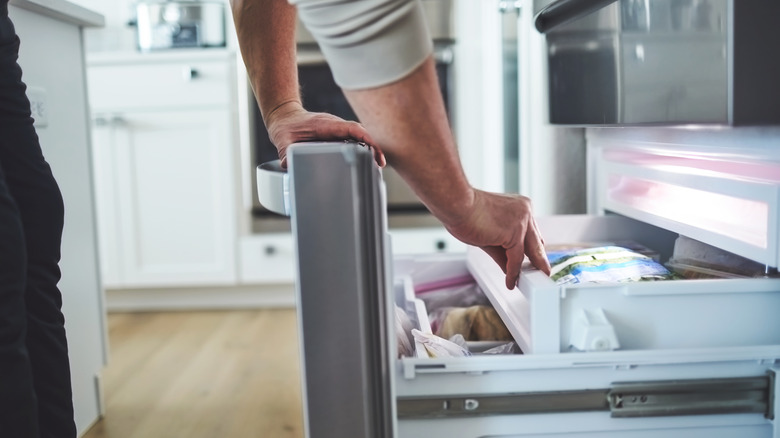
(202, 374)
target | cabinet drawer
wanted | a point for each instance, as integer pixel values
(267, 258)
(424, 241)
(178, 84)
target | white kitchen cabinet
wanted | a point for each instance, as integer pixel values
(424, 241)
(163, 162)
(267, 258)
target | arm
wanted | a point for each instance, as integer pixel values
(266, 34)
(408, 119)
(381, 58)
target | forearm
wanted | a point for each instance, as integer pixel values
(408, 120)
(266, 35)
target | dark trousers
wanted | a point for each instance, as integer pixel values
(35, 389)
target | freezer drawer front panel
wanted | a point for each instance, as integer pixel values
(583, 426)
(339, 228)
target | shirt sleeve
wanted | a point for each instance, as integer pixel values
(368, 43)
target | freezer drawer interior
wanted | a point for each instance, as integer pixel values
(544, 317)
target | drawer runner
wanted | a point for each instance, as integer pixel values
(633, 399)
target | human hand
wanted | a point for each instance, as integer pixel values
(503, 226)
(291, 123)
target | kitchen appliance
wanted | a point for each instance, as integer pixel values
(664, 61)
(175, 24)
(682, 358)
(321, 94)
(695, 358)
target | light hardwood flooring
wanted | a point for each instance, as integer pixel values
(202, 375)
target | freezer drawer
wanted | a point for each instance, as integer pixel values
(670, 376)
(713, 389)
(549, 318)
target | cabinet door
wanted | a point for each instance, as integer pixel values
(106, 198)
(175, 198)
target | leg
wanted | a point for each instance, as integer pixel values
(18, 410)
(33, 188)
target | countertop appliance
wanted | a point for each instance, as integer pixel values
(691, 358)
(663, 61)
(170, 24)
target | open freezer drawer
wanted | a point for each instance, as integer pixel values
(709, 388)
(355, 385)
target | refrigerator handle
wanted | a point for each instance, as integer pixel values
(273, 187)
(563, 11)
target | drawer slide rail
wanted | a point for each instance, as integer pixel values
(622, 399)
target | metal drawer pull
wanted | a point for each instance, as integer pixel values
(190, 73)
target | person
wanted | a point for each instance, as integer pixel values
(381, 56)
(35, 387)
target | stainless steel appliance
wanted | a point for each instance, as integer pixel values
(162, 24)
(663, 61)
(695, 358)
(690, 358)
(321, 94)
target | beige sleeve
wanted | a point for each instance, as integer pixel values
(368, 43)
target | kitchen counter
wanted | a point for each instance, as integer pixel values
(173, 55)
(62, 10)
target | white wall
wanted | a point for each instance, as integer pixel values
(552, 159)
(478, 120)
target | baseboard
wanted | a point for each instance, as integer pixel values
(216, 298)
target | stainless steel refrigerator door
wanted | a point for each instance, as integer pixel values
(338, 219)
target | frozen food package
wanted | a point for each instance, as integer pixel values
(464, 295)
(475, 323)
(604, 264)
(403, 332)
(508, 348)
(437, 346)
(693, 259)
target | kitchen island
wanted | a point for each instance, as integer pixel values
(51, 55)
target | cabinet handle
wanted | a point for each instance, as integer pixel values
(118, 120)
(441, 245)
(190, 73)
(113, 120)
(270, 250)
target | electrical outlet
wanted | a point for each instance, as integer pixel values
(39, 106)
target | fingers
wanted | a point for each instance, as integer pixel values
(507, 260)
(379, 156)
(514, 260)
(534, 244)
(356, 131)
(303, 126)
